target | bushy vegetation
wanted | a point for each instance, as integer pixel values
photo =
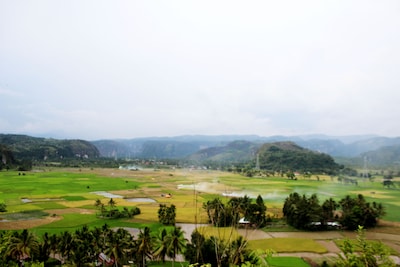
(84, 246)
(112, 212)
(304, 212)
(219, 252)
(229, 214)
(363, 253)
(166, 215)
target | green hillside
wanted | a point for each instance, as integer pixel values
(34, 148)
(287, 156)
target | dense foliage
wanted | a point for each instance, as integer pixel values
(99, 245)
(229, 214)
(218, 252)
(304, 212)
(166, 215)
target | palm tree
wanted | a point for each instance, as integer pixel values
(53, 240)
(44, 248)
(161, 248)
(22, 246)
(84, 249)
(65, 245)
(79, 255)
(144, 246)
(238, 251)
(117, 245)
(112, 205)
(176, 243)
(98, 204)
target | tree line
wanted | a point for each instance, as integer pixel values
(307, 213)
(95, 246)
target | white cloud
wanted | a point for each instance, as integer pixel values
(96, 69)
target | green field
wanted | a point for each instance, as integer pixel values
(57, 200)
(63, 189)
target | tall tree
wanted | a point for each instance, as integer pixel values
(144, 246)
(44, 248)
(166, 215)
(161, 245)
(328, 210)
(118, 243)
(176, 243)
(357, 211)
(65, 245)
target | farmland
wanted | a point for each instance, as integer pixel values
(55, 200)
(72, 192)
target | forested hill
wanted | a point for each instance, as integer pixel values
(276, 156)
(28, 147)
(287, 156)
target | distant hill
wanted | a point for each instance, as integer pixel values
(288, 156)
(349, 148)
(234, 152)
(276, 156)
(182, 146)
(384, 156)
(164, 147)
(28, 147)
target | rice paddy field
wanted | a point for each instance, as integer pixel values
(54, 200)
(71, 193)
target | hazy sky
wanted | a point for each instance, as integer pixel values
(123, 69)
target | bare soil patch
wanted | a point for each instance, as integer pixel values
(26, 224)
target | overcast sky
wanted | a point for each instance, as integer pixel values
(124, 69)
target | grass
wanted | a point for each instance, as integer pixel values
(223, 233)
(287, 262)
(288, 245)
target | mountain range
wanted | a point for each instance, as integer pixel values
(376, 150)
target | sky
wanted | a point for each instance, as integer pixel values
(125, 69)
